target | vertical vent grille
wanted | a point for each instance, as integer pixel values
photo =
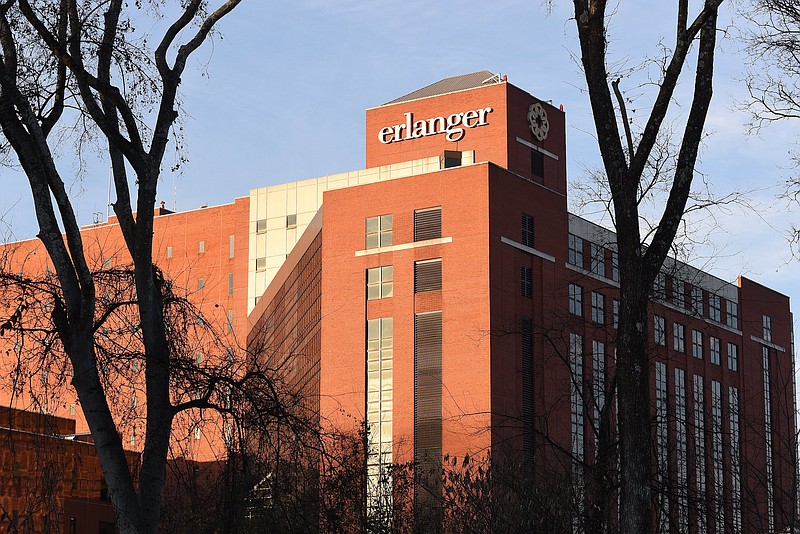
(527, 230)
(537, 163)
(527, 390)
(427, 224)
(428, 408)
(428, 275)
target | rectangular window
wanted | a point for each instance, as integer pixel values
(201, 283)
(736, 474)
(576, 395)
(732, 314)
(660, 330)
(733, 357)
(767, 323)
(261, 264)
(526, 282)
(598, 383)
(660, 286)
(231, 239)
(768, 439)
(527, 230)
(379, 231)
(697, 301)
(380, 282)
(379, 412)
(169, 251)
(291, 221)
(428, 275)
(261, 226)
(427, 224)
(700, 450)
(614, 266)
(681, 449)
(575, 252)
(678, 293)
(106, 263)
(598, 260)
(662, 446)
(576, 300)
(679, 337)
(716, 452)
(697, 344)
(537, 163)
(598, 308)
(230, 284)
(230, 321)
(615, 312)
(452, 158)
(714, 308)
(714, 350)
(201, 247)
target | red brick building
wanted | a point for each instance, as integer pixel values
(464, 310)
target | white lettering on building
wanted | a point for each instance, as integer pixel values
(451, 126)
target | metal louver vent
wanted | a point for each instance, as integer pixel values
(428, 275)
(427, 224)
(428, 404)
(527, 390)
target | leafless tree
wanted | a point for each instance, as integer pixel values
(773, 80)
(626, 152)
(61, 54)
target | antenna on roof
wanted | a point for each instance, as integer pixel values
(494, 78)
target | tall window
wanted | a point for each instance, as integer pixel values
(679, 337)
(575, 250)
(576, 394)
(526, 282)
(598, 308)
(714, 308)
(716, 453)
(201, 247)
(427, 224)
(615, 312)
(736, 473)
(768, 437)
(767, 323)
(678, 293)
(700, 451)
(379, 231)
(697, 300)
(576, 300)
(428, 275)
(527, 230)
(681, 450)
(662, 447)
(660, 330)
(598, 383)
(733, 357)
(732, 314)
(598, 259)
(614, 266)
(231, 241)
(380, 282)
(713, 345)
(660, 286)
(379, 416)
(697, 344)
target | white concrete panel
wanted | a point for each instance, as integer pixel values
(276, 242)
(306, 199)
(276, 223)
(276, 203)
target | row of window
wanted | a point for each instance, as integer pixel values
(679, 342)
(597, 257)
(291, 222)
(201, 249)
(598, 305)
(718, 439)
(673, 290)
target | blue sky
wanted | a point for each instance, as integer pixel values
(282, 95)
